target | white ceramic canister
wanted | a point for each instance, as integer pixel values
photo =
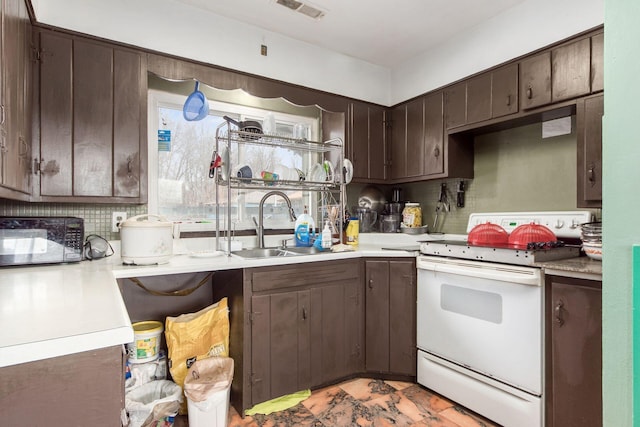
(144, 241)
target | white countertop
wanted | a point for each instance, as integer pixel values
(49, 311)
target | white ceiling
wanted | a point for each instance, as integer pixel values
(384, 33)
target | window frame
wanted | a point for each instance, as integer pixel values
(161, 99)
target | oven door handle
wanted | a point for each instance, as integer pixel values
(518, 275)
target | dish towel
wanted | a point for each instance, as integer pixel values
(279, 403)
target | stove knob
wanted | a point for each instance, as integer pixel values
(574, 224)
(559, 224)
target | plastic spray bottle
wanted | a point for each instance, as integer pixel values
(304, 229)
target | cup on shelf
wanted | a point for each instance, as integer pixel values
(269, 177)
(244, 173)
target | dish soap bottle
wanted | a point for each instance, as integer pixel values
(304, 229)
(326, 236)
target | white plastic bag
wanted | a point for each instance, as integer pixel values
(152, 401)
(206, 379)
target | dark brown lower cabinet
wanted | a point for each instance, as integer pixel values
(573, 352)
(79, 389)
(390, 320)
(305, 327)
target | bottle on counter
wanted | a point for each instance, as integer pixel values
(412, 215)
(353, 229)
(304, 229)
(326, 236)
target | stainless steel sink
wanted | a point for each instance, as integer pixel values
(276, 252)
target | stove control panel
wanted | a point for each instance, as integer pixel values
(562, 223)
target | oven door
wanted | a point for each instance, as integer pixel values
(483, 316)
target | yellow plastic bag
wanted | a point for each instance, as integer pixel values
(195, 336)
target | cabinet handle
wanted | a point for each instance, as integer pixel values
(591, 174)
(529, 93)
(436, 152)
(370, 283)
(558, 311)
(508, 100)
(129, 166)
(304, 313)
(2, 117)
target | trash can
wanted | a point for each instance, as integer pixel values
(152, 401)
(207, 387)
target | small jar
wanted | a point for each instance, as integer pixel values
(412, 215)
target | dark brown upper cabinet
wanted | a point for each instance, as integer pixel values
(504, 91)
(368, 142)
(455, 105)
(92, 121)
(571, 70)
(483, 97)
(589, 112)
(535, 81)
(597, 63)
(16, 52)
(557, 75)
(419, 149)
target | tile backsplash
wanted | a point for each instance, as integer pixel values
(97, 218)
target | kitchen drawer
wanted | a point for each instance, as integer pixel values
(287, 276)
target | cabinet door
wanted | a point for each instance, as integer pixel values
(93, 125)
(377, 144)
(92, 119)
(336, 331)
(597, 63)
(56, 115)
(571, 70)
(128, 123)
(280, 361)
(402, 317)
(16, 116)
(377, 316)
(479, 98)
(589, 114)
(360, 139)
(433, 134)
(535, 81)
(455, 105)
(576, 356)
(368, 138)
(415, 138)
(399, 142)
(504, 91)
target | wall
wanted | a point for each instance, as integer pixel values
(194, 33)
(97, 217)
(514, 170)
(621, 151)
(511, 34)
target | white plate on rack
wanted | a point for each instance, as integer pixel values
(224, 166)
(348, 170)
(317, 173)
(328, 170)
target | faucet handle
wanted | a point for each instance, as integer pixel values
(283, 242)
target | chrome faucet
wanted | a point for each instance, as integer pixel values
(292, 214)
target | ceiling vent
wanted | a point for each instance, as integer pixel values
(303, 8)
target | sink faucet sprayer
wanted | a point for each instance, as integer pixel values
(292, 214)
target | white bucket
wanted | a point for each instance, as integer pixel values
(146, 344)
(213, 412)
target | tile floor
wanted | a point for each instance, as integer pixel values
(369, 402)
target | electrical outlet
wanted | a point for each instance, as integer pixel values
(116, 219)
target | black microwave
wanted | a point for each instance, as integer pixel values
(40, 240)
